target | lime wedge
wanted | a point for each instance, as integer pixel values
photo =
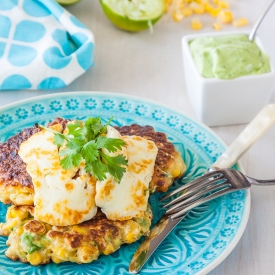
(67, 2)
(133, 15)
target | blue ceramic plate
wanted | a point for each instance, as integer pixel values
(200, 242)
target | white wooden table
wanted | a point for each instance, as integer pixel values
(150, 66)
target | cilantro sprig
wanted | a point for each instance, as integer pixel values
(85, 141)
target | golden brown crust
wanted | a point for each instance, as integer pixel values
(12, 168)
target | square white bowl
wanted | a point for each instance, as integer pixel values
(220, 102)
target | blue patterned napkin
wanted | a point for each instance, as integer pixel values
(42, 46)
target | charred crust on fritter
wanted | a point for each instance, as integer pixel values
(74, 239)
(60, 121)
(12, 168)
(35, 226)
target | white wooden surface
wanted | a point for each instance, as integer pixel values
(150, 66)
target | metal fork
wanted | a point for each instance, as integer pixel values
(208, 187)
(197, 192)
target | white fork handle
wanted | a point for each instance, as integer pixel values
(253, 131)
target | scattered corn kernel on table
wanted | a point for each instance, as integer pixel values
(149, 65)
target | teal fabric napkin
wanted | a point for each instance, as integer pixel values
(42, 46)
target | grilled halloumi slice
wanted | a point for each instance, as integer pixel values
(129, 198)
(62, 197)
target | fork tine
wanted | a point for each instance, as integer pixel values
(188, 207)
(193, 182)
(200, 194)
(202, 185)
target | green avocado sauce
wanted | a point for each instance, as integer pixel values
(228, 56)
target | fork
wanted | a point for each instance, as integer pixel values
(208, 187)
(193, 197)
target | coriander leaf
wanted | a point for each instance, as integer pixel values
(111, 144)
(59, 139)
(67, 162)
(95, 127)
(77, 160)
(67, 151)
(73, 126)
(97, 169)
(114, 165)
(90, 151)
(75, 144)
(72, 158)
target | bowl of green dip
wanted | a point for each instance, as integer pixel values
(229, 79)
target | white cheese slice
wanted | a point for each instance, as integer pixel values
(129, 198)
(62, 197)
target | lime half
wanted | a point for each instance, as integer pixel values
(133, 15)
(67, 2)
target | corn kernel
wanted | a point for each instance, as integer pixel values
(175, 172)
(204, 2)
(197, 8)
(56, 260)
(196, 24)
(177, 16)
(19, 230)
(108, 249)
(217, 26)
(226, 16)
(186, 12)
(130, 237)
(60, 252)
(34, 258)
(240, 22)
(166, 7)
(223, 4)
(18, 213)
(79, 229)
(212, 11)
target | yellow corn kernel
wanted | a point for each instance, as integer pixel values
(186, 12)
(212, 11)
(196, 24)
(226, 16)
(130, 237)
(19, 230)
(240, 22)
(197, 8)
(217, 26)
(116, 243)
(108, 249)
(204, 2)
(223, 4)
(177, 16)
(56, 260)
(60, 252)
(79, 229)
(34, 258)
(166, 7)
(18, 213)
(175, 172)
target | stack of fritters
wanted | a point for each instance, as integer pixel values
(36, 242)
